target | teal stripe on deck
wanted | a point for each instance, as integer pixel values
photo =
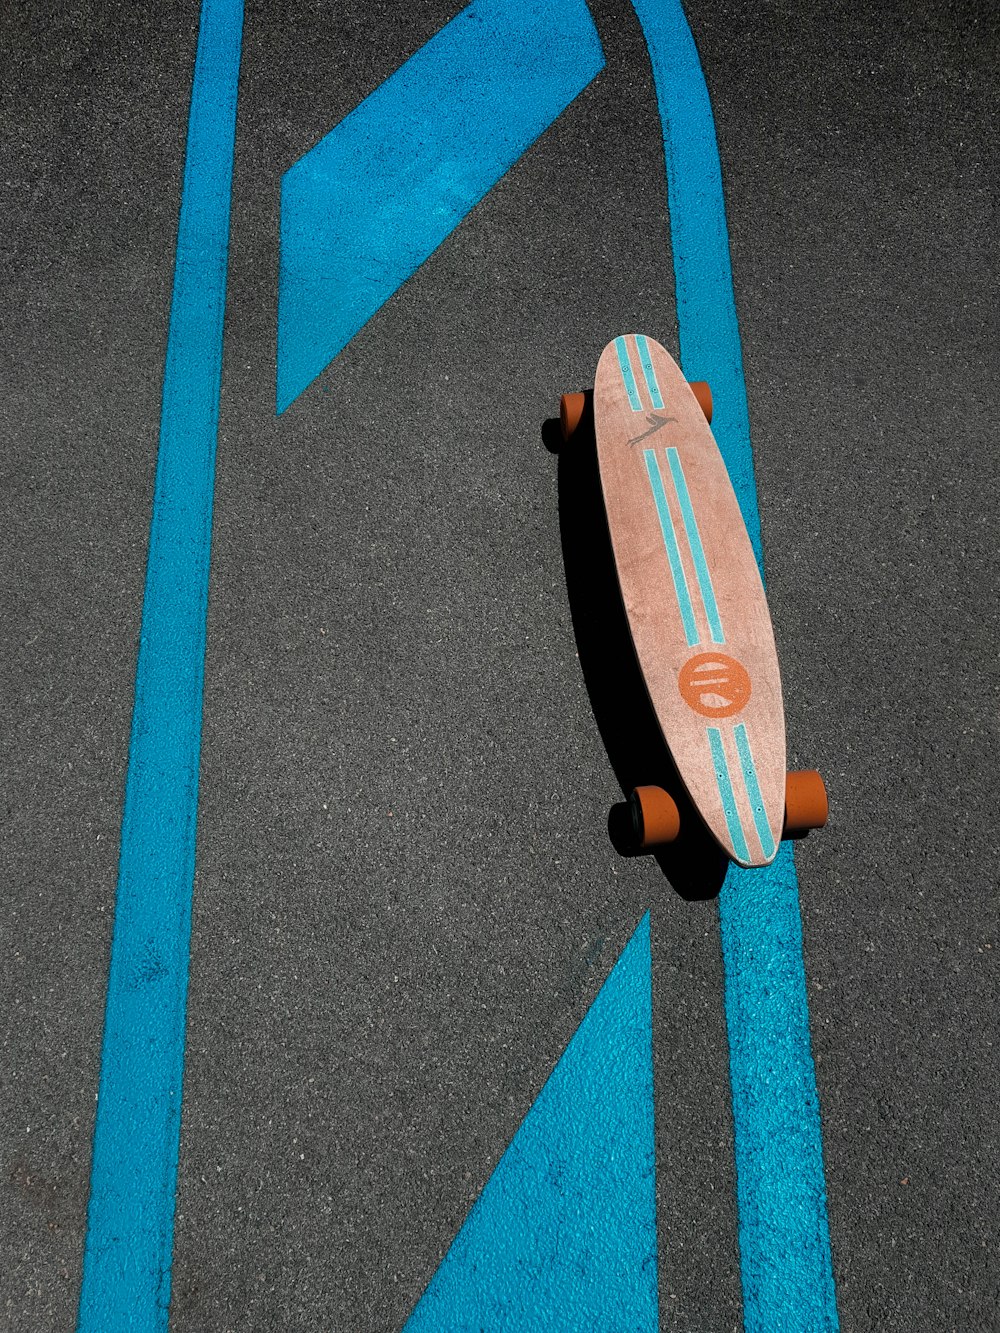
(697, 550)
(670, 542)
(646, 361)
(628, 378)
(753, 790)
(725, 784)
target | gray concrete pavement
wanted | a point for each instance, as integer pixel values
(406, 895)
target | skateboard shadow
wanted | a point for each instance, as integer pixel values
(695, 865)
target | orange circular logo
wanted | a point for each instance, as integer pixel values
(714, 685)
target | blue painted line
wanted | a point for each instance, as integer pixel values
(628, 378)
(649, 374)
(129, 1241)
(784, 1232)
(673, 554)
(725, 784)
(749, 768)
(364, 208)
(563, 1235)
(701, 569)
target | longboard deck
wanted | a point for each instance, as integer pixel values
(693, 596)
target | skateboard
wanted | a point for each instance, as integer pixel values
(696, 608)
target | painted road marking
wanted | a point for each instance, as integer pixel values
(628, 378)
(563, 1235)
(781, 1191)
(753, 790)
(129, 1241)
(684, 603)
(725, 785)
(363, 209)
(784, 1237)
(649, 374)
(697, 550)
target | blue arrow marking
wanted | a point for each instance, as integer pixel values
(375, 198)
(563, 1235)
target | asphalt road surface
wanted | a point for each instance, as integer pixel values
(406, 897)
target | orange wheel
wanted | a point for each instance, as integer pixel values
(703, 392)
(806, 804)
(571, 409)
(655, 817)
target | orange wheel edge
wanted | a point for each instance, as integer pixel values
(703, 392)
(655, 816)
(807, 805)
(571, 409)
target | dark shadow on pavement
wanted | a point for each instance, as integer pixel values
(695, 865)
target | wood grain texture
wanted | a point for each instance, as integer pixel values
(693, 596)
